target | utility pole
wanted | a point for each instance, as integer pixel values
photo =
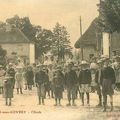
(81, 36)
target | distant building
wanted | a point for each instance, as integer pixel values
(90, 41)
(15, 42)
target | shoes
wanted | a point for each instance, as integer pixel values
(99, 105)
(10, 104)
(68, 104)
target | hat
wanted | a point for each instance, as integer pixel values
(10, 64)
(84, 63)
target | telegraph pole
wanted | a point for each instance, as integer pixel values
(81, 36)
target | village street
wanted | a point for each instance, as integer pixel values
(25, 107)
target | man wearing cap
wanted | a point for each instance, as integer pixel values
(98, 78)
(41, 80)
(108, 83)
(71, 83)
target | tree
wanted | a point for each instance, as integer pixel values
(109, 18)
(61, 41)
(43, 41)
(24, 25)
(2, 56)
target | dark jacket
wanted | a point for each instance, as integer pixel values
(11, 72)
(108, 73)
(58, 80)
(41, 78)
(85, 77)
(29, 77)
(70, 78)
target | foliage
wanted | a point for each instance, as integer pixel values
(61, 41)
(109, 18)
(43, 41)
(57, 41)
(2, 56)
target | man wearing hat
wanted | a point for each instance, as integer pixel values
(71, 83)
(98, 79)
(108, 83)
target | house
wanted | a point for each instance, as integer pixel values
(90, 41)
(15, 42)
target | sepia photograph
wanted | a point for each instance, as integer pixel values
(59, 59)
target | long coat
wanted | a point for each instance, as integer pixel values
(58, 82)
(19, 80)
(8, 88)
(11, 72)
(108, 79)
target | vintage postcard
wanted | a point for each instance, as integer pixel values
(59, 59)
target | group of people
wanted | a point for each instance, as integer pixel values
(77, 79)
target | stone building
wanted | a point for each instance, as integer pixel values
(15, 42)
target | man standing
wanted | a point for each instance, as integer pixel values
(41, 80)
(71, 83)
(108, 83)
(98, 78)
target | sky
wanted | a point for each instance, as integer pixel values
(47, 13)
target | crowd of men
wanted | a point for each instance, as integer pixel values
(101, 75)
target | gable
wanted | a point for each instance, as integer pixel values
(12, 36)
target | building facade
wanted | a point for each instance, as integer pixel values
(15, 42)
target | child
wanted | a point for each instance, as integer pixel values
(41, 80)
(19, 80)
(85, 81)
(58, 87)
(8, 90)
